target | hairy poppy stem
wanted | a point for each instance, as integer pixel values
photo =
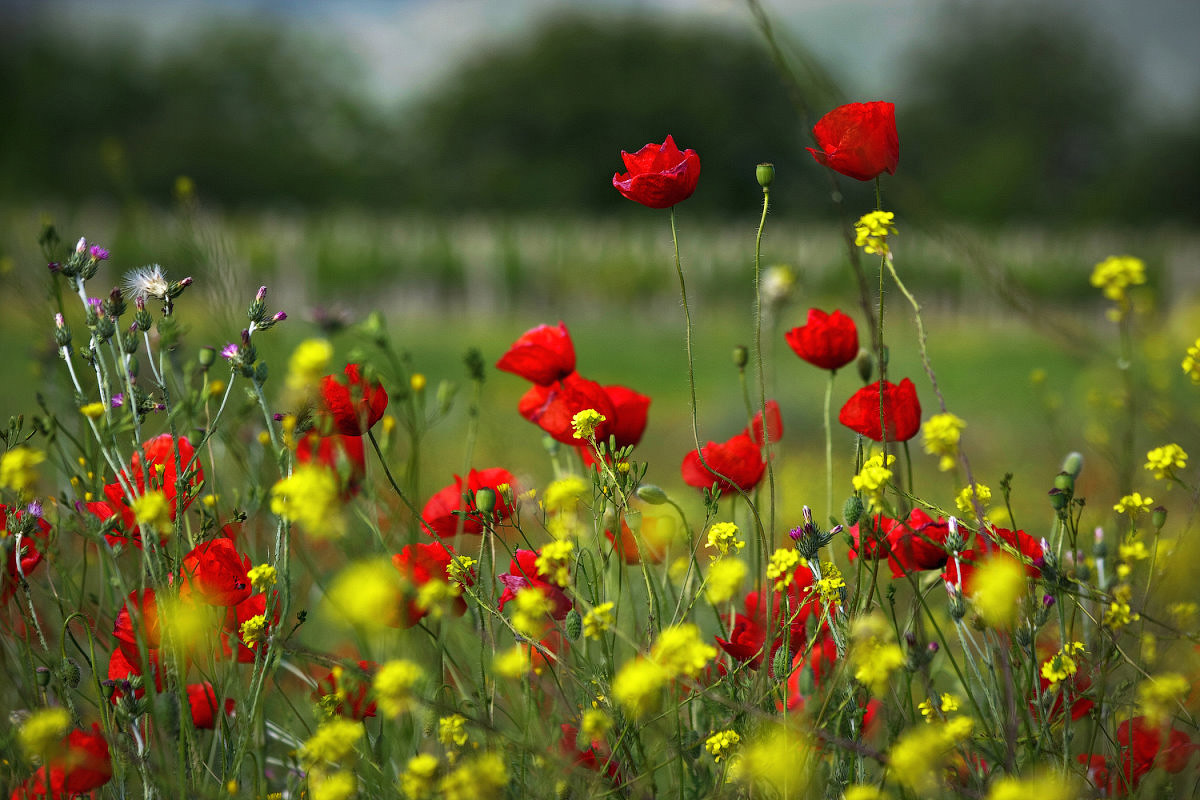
(762, 380)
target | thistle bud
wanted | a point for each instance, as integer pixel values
(652, 494)
(68, 671)
(62, 333)
(765, 173)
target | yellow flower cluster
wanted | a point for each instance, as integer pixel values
(874, 654)
(92, 410)
(533, 608)
(722, 537)
(310, 498)
(595, 724)
(1163, 461)
(779, 569)
(584, 424)
(946, 704)
(1115, 274)
(637, 686)
(17, 468)
(367, 594)
(1119, 612)
(721, 743)
(1158, 696)
(153, 512)
(598, 621)
(778, 760)
(512, 663)
(918, 756)
(831, 584)
(254, 630)
(43, 730)
(452, 730)
(481, 778)
(1047, 786)
(262, 577)
(872, 230)
(942, 433)
(998, 586)
(308, 364)
(333, 742)
(872, 479)
(554, 561)
(564, 494)
(1134, 504)
(418, 779)
(678, 650)
(724, 580)
(681, 650)
(964, 500)
(394, 686)
(1191, 362)
(1061, 665)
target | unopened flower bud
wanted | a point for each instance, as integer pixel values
(485, 501)
(573, 624)
(1100, 548)
(68, 671)
(765, 173)
(781, 662)
(652, 494)
(1158, 517)
(261, 294)
(865, 363)
(279, 316)
(1073, 464)
(206, 357)
(740, 356)
(1064, 481)
(81, 245)
(551, 445)
(43, 675)
(852, 509)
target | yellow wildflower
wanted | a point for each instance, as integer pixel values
(394, 686)
(637, 686)
(43, 730)
(964, 500)
(872, 230)
(333, 742)
(862, 792)
(942, 433)
(1158, 696)
(680, 650)
(254, 630)
(721, 744)
(831, 584)
(452, 730)
(1120, 613)
(564, 494)
(1047, 786)
(481, 778)
(918, 756)
(553, 561)
(999, 584)
(779, 760)
(417, 382)
(724, 581)
(532, 612)
(92, 410)
(308, 364)
(598, 621)
(1061, 665)
(310, 497)
(872, 479)
(512, 663)
(262, 577)
(435, 595)
(1191, 362)
(1134, 504)
(417, 780)
(874, 654)
(367, 594)
(153, 512)
(595, 724)
(780, 567)
(1115, 274)
(584, 424)
(1163, 461)
(17, 468)
(946, 703)
(339, 785)
(722, 537)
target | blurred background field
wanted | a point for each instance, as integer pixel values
(267, 145)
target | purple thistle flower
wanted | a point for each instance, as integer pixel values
(98, 253)
(34, 509)
(229, 351)
(118, 400)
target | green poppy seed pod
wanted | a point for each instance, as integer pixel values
(741, 356)
(1058, 499)
(852, 509)
(652, 494)
(1064, 481)
(1158, 517)
(43, 677)
(206, 357)
(1073, 464)
(573, 624)
(68, 671)
(865, 363)
(485, 501)
(765, 173)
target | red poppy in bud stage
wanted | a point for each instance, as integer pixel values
(20, 561)
(342, 454)
(828, 341)
(542, 355)
(348, 688)
(78, 766)
(1015, 543)
(774, 424)
(658, 176)
(901, 411)
(553, 407)
(445, 513)
(912, 545)
(216, 573)
(858, 140)
(523, 573)
(418, 564)
(353, 402)
(739, 460)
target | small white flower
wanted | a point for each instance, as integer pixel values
(149, 281)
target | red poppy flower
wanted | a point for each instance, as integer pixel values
(745, 642)
(202, 699)
(1144, 747)
(353, 402)
(445, 513)
(658, 176)
(817, 663)
(828, 341)
(146, 634)
(858, 140)
(253, 606)
(542, 355)
(774, 424)
(349, 688)
(418, 564)
(739, 460)
(1071, 691)
(23, 561)
(81, 765)
(901, 411)
(216, 573)
(523, 573)
(342, 454)
(596, 756)
(913, 545)
(553, 407)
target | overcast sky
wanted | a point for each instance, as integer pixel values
(409, 43)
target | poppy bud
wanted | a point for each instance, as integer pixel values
(1073, 464)
(765, 173)
(652, 494)
(206, 357)
(852, 510)
(781, 664)
(573, 624)
(865, 365)
(741, 356)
